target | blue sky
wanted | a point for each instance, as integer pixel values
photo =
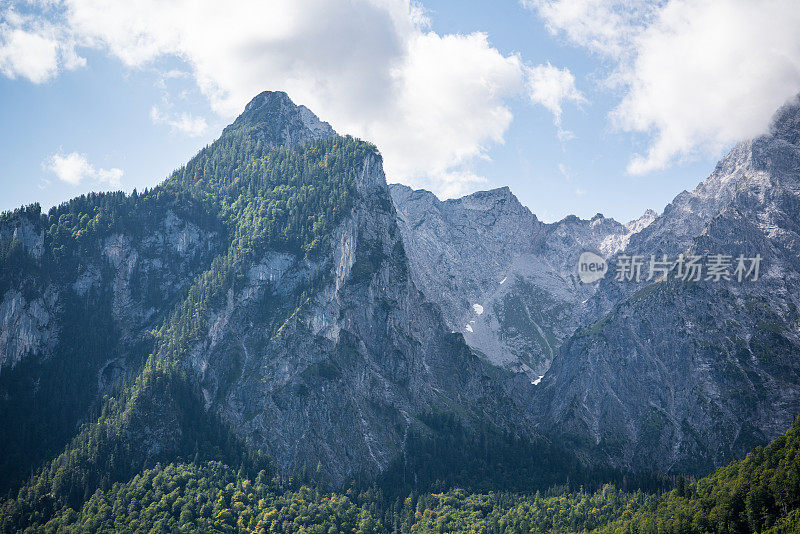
(552, 98)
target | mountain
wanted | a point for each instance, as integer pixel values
(274, 306)
(501, 277)
(83, 288)
(682, 376)
(332, 360)
(256, 308)
(668, 376)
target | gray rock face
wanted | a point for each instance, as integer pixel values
(69, 335)
(23, 230)
(469, 307)
(159, 262)
(340, 378)
(276, 121)
(503, 278)
(681, 376)
(27, 327)
(166, 256)
(667, 376)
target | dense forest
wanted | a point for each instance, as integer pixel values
(758, 494)
(46, 397)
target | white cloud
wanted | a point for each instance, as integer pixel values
(696, 75)
(28, 55)
(185, 123)
(434, 104)
(74, 168)
(550, 87)
(447, 107)
(709, 74)
(33, 48)
(603, 26)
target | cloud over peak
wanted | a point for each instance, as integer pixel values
(694, 75)
(433, 103)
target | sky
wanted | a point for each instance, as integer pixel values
(579, 106)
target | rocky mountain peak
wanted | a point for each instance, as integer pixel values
(498, 194)
(786, 122)
(267, 98)
(642, 222)
(751, 169)
(500, 202)
(276, 120)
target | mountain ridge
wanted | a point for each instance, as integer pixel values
(275, 301)
(300, 337)
(700, 372)
(747, 205)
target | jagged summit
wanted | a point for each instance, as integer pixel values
(501, 200)
(503, 192)
(786, 122)
(753, 170)
(277, 121)
(678, 376)
(642, 222)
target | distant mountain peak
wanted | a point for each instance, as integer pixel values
(786, 122)
(500, 198)
(277, 121)
(267, 98)
(642, 222)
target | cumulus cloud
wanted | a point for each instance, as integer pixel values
(185, 123)
(607, 27)
(695, 75)
(28, 55)
(550, 87)
(74, 168)
(447, 107)
(434, 104)
(710, 73)
(33, 48)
